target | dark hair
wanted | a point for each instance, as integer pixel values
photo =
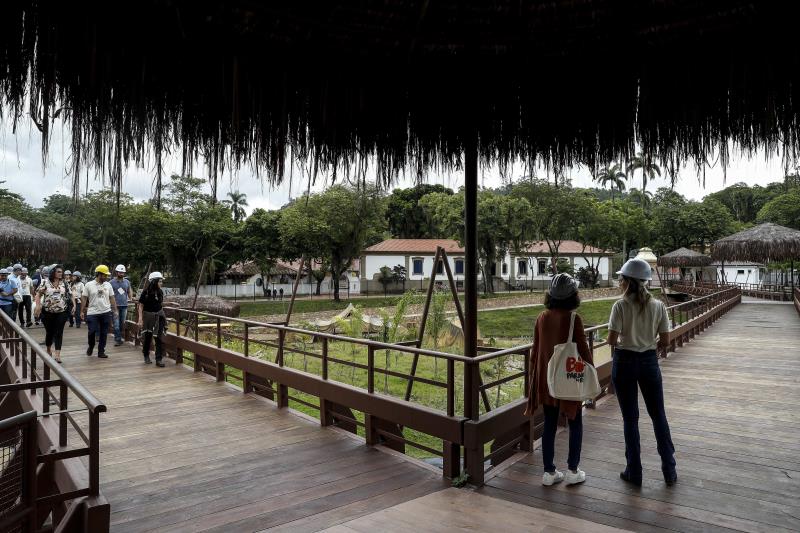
(637, 290)
(153, 288)
(52, 274)
(570, 303)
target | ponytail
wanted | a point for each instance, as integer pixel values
(638, 292)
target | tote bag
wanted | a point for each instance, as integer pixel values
(568, 376)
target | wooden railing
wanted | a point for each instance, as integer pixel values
(254, 357)
(796, 299)
(68, 492)
(765, 291)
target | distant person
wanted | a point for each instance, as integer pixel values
(122, 293)
(274, 294)
(98, 309)
(26, 290)
(37, 276)
(7, 291)
(152, 320)
(552, 328)
(280, 293)
(638, 326)
(44, 272)
(16, 270)
(71, 306)
(77, 292)
(52, 299)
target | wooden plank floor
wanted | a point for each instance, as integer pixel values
(737, 441)
(180, 452)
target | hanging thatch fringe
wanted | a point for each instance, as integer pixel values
(558, 83)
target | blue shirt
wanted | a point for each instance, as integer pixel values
(7, 286)
(121, 298)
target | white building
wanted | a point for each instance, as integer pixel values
(740, 272)
(528, 268)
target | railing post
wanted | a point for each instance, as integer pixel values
(325, 358)
(94, 453)
(282, 390)
(246, 349)
(62, 418)
(370, 369)
(219, 333)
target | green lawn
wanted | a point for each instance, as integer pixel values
(517, 323)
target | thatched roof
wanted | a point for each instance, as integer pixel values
(407, 82)
(760, 244)
(208, 304)
(250, 268)
(684, 257)
(19, 241)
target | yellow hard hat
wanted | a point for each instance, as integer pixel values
(102, 269)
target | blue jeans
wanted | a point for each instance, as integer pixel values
(77, 317)
(630, 372)
(119, 323)
(549, 439)
(6, 307)
(98, 325)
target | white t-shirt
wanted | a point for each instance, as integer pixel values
(638, 328)
(77, 289)
(98, 297)
(25, 286)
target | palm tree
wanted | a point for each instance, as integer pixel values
(643, 198)
(237, 203)
(648, 167)
(613, 175)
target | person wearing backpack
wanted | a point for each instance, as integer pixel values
(52, 299)
(638, 326)
(552, 328)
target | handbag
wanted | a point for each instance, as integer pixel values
(568, 376)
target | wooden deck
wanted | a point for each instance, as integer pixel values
(181, 452)
(737, 445)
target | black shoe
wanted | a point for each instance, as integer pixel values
(78, 326)
(670, 478)
(29, 325)
(117, 343)
(159, 364)
(102, 355)
(71, 325)
(89, 351)
(148, 361)
(625, 476)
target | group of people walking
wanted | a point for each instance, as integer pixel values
(638, 327)
(55, 296)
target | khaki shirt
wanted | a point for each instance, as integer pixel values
(638, 328)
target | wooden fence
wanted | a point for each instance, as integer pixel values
(59, 489)
(253, 356)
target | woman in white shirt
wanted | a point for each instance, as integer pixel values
(637, 328)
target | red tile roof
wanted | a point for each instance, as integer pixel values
(415, 246)
(566, 247)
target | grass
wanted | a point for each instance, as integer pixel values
(518, 323)
(324, 303)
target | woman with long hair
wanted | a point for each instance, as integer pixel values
(638, 326)
(552, 328)
(152, 320)
(52, 304)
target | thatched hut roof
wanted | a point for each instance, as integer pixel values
(208, 304)
(684, 257)
(19, 240)
(760, 244)
(245, 269)
(407, 82)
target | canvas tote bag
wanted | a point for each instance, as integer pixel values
(568, 376)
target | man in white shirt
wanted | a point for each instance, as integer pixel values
(77, 293)
(97, 306)
(26, 290)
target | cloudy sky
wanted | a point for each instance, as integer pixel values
(22, 169)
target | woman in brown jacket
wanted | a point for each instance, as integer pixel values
(552, 327)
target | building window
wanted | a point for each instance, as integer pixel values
(493, 269)
(416, 266)
(740, 272)
(459, 266)
(505, 269)
(439, 267)
(522, 268)
(541, 266)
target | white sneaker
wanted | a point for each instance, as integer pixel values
(578, 476)
(556, 477)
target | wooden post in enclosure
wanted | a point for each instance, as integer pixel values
(294, 289)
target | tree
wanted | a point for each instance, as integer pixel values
(261, 242)
(318, 275)
(437, 322)
(705, 222)
(184, 193)
(399, 275)
(6, 194)
(335, 226)
(385, 278)
(237, 201)
(612, 175)
(649, 169)
(407, 219)
(783, 210)
(602, 228)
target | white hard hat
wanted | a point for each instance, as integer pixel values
(120, 268)
(17, 267)
(637, 269)
(154, 275)
(24, 270)
(4, 271)
(77, 273)
(67, 272)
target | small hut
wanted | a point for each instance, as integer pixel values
(683, 265)
(20, 241)
(761, 244)
(646, 254)
(207, 304)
